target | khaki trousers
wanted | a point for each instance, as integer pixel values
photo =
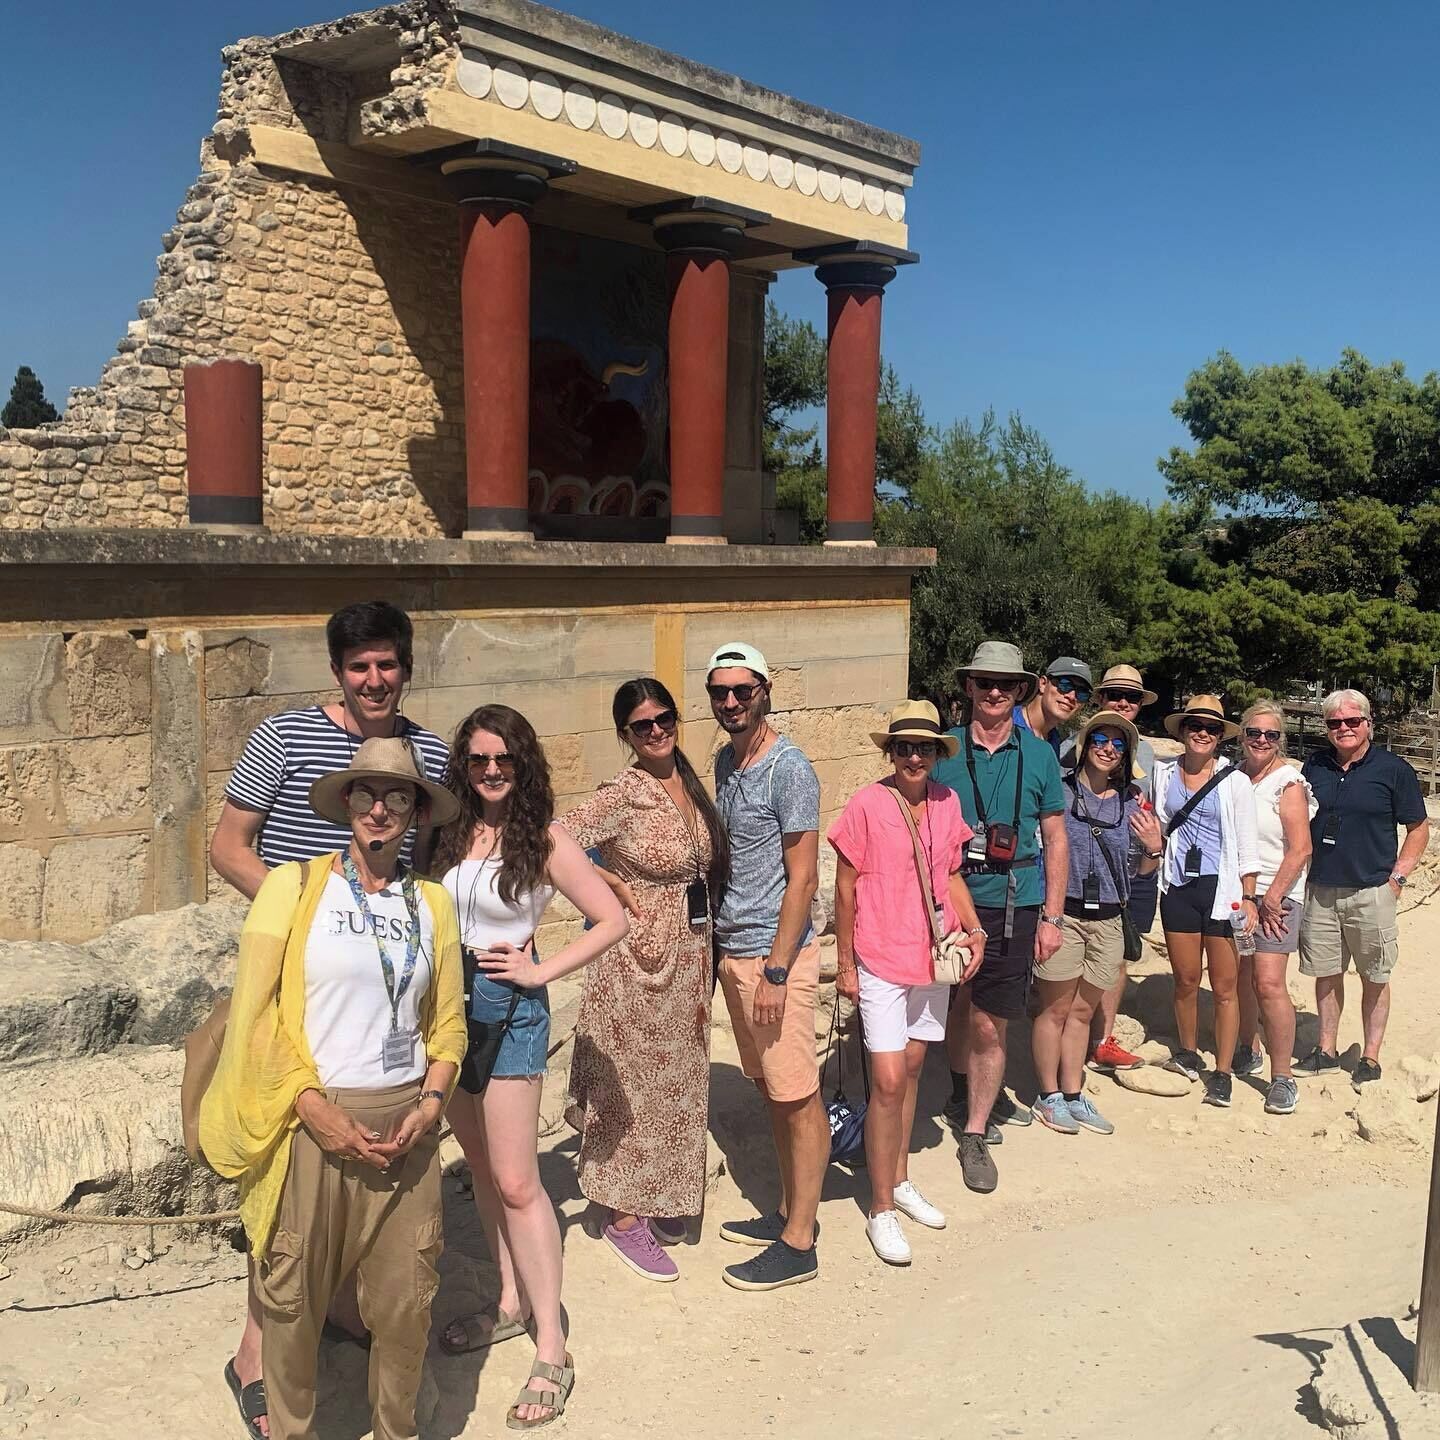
(337, 1216)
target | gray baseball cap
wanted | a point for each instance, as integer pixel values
(1069, 665)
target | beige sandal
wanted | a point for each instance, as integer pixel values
(503, 1326)
(561, 1376)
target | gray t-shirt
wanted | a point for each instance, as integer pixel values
(778, 795)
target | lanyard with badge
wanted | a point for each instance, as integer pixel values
(397, 1052)
(1090, 886)
(993, 845)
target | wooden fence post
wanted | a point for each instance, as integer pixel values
(1427, 1338)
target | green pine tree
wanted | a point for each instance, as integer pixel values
(27, 406)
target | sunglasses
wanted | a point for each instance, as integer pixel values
(1350, 722)
(1114, 742)
(743, 694)
(925, 749)
(1068, 686)
(479, 762)
(1127, 697)
(362, 798)
(664, 722)
(1253, 732)
(1203, 727)
(986, 684)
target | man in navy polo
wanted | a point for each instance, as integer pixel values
(1063, 691)
(1365, 794)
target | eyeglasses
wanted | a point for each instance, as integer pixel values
(986, 684)
(925, 749)
(664, 722)
(1253, 732)
(1125, 697)
(479, 763)
(1067, 685)
(362, 798)
(1203, 727)
(1350, 722)
(1114, 742)
(742, 693)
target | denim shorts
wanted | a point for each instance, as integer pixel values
(525, 1047)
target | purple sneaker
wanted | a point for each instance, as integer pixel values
(637, 1247)
(668, 1230)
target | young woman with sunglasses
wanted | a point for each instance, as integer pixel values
(1208, 874)
(883, 941)
(1112, 835)
(503, 863)
(1284, 805)
(640, 1078)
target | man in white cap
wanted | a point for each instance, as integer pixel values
(768, 796)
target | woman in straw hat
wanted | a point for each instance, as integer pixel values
(503, 862)
(1207, 875)
(345, 1034)
(1107, 820)
(883, 947)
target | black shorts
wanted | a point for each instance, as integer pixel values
(1144, 897)
(1001, 986)
(1185, 909)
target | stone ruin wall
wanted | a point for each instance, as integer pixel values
(348, 298)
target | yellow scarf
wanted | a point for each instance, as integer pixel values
(247, 1118)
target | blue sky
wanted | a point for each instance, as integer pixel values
(1109, 192)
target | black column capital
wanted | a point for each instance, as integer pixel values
(483, 172)
(856, 264)
(699, 225)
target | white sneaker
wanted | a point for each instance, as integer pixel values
(911, 1202)
(888, 1238)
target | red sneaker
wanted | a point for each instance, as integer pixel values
(1110, 1056)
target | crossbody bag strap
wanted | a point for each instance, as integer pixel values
(926, 893)
(1187, 809)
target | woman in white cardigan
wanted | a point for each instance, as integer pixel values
(1207, 874)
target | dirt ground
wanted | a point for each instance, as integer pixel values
(1192, 1270)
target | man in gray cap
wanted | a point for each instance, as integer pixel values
(1064, 690)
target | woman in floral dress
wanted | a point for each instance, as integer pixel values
(640, 1078)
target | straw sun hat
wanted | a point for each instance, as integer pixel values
(1110, 720)
(1126, 676)
(385, 760)
(916, 720)
(1202, 707)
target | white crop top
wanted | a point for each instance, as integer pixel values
(484, 917)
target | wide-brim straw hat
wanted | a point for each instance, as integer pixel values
(1202, 707)
(999, 657)
(1127, 675)
(916, 720)
(386, 760)
(1115, 721)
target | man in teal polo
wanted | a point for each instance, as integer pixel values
(1008, 781)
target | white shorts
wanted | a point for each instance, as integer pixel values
(893, 1014)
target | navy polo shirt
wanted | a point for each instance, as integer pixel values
(1379, 792)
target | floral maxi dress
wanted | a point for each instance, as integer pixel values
(640, 1077)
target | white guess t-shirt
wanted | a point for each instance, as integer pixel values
(347, 1009)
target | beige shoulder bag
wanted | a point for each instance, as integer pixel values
(948, 953)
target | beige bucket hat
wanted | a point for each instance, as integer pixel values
(916, 720)
(999, 657)
(1202, 707)
(1109, 718)
(384, 759)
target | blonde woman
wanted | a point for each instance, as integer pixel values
(1284, 804)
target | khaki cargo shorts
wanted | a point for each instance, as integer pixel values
(1347, 922)
(1092, 950)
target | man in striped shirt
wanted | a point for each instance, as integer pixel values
(267, 820)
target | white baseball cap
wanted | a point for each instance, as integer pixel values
(736, 652)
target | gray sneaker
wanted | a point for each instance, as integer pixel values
(1083, 1113)
(1282, 1096)
(1054, 1111)
(976, 1167)
(1317, 1062)
(956, 1115)
(1247, 1061)
(778, 1264)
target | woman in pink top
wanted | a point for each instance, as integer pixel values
(883, 943)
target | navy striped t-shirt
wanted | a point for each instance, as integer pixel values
(285, 755)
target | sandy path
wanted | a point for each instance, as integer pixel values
(1171, 1273)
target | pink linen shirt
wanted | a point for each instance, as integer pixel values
(892, 931)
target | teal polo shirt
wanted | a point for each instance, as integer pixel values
(1041, 794)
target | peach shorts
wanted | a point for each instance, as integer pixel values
(781, 1056)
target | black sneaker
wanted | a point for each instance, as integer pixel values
(1247, 1061)
(1217, 1089)
(956, 1115)
(1317, 1062)
(763, 1230)
(1366, 1071)
(976, 1166)
(778, 1264)
(1006, 1112)
(1186, 1063)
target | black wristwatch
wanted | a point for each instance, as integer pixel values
(431, 1095)
(776, 974)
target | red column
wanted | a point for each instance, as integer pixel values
(699, 353)
(852, 399)
(495, 321)
(224, 445)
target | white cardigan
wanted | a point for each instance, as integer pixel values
(1239, 834)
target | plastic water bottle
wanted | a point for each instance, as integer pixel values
(1244, 943)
